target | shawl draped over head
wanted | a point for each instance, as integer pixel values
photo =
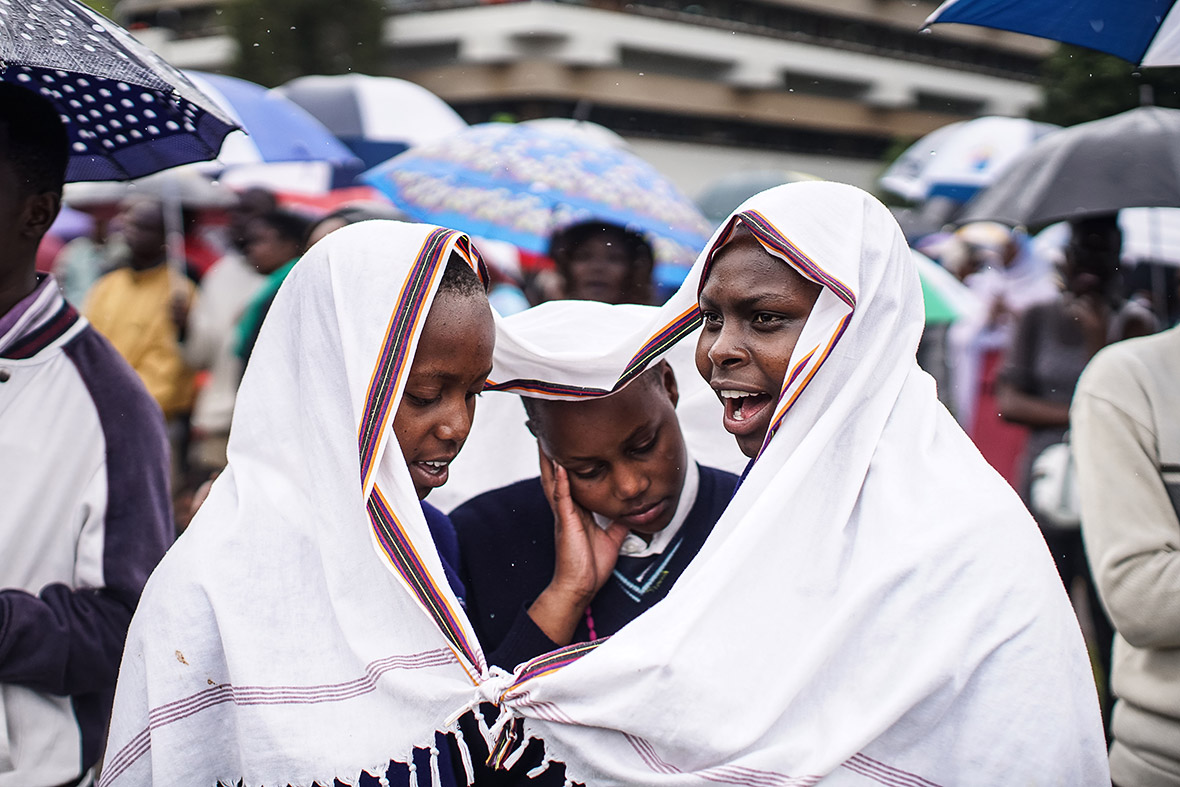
(875, 606)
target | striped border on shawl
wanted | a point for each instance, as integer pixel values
(406, 561)
(412, 305)
(768, 235)
(884, 774)
(785, 408)
(725, 774)
(551, 662)
(542, 387)
(659, 343)
(43, 335)
(179, 710)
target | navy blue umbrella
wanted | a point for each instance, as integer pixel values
(1142, 31)
(128, 113)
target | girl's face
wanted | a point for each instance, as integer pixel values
(754, 306)
(453, 361)
(624, 453)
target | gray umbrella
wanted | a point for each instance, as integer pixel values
(1130, 160)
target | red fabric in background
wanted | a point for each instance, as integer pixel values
(1001, 443)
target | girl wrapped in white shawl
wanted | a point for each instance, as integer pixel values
(875, 606)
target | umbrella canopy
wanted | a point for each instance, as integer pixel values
(1142, 31)
(127, 112)
(721, 196)
(1129, 160)
(592, 132)
(515, 183)
(376, 117)
(959, 159)
(184, 186)
(276, 129)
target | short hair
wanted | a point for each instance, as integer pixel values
(355, 212)
(460, 279)
(534, 407)
(565, 241)
(33, 139)
(289, 226)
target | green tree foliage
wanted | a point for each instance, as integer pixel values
(1080, 84)
(279, 40)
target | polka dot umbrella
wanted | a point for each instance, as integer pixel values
(128, 113)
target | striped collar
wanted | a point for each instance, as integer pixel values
(36, 321)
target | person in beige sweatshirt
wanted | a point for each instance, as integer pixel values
(1125, 432)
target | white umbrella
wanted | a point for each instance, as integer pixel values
(377, 117)
(959, 159)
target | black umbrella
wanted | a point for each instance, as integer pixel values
(1129, 160)
(127, 112)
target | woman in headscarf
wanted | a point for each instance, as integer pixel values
(875, 605)
(282, 640)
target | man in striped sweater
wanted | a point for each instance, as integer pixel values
(85, 511)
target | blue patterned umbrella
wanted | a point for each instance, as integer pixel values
(516, 183)
(127, 112)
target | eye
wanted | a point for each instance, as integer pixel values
(421, 401)
(767, 318)
(589, 474)
(711, 319)
(645, 447)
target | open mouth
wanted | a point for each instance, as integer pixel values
(430, 473)
(741, 406)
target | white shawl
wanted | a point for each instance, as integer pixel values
(874, 607)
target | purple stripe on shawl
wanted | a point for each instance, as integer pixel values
(397, 547)
(726, 774)
(768, 233)
(397, 342)
(884, 774)
(181, 709)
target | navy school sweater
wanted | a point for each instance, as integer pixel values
(507, 554)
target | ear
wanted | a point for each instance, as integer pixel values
(38, 214)
(668, 378)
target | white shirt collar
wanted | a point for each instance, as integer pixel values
(635, 546)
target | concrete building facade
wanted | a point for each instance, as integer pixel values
(701, 88)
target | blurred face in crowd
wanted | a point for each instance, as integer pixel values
(1092, 258)
(252, 203)
(754, 307)
(451, 365)
(266, 249)
(599, 269)
(142, 223)
(624, 453)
